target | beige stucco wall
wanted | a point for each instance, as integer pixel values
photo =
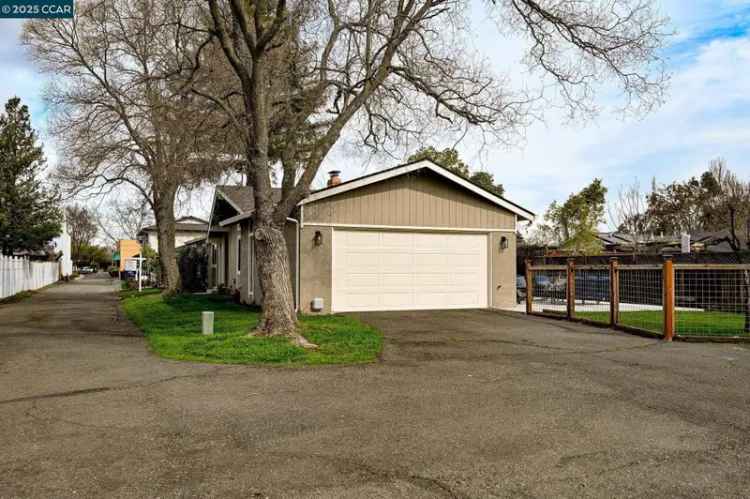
(502, 270)
(315, 268)
(419, 199)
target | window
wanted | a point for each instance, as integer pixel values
(250, 266)
(239, 254)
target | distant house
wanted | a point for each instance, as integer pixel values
(187, 229)
(700, 242)
(126, 249)
(412, 237)
(61, 246)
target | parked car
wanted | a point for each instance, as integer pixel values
(592, 286)
(520, 289)
(86, 270)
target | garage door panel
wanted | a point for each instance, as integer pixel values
(381, 270)
(361, 239)
(397, 301)
(394, 262)
(366, 281)
(360, 262)
(432, 280)
(396, 281)
(396, 240)
(360, 301)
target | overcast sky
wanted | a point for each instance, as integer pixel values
(707, 113)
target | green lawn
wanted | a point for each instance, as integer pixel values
(686, 323)
(173, 329)
(17, 297)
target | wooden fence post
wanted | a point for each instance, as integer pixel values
(614, 292)
(571, 288)
(668, 302)
(529, 287)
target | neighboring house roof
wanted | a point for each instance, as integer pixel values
(412, 167)
(186, 224)
(714, 242)
(197, 240)
(240, 197)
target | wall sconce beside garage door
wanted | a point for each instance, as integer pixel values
(503, 243)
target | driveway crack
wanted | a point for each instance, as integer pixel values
(87, 391)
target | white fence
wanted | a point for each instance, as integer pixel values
(20, 274)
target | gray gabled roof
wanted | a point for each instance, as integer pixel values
(187, 224)
(239, 196)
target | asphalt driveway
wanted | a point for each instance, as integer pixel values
(463, 404)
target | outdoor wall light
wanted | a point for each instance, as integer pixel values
(503, 243)
(318, 238)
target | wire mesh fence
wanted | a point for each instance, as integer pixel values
(712, 300)
(549, 291)
(641, 300)
(592, 293)
(687, 300)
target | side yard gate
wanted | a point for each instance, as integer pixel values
(667, 300)
(20, 274)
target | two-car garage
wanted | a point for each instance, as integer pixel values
(401, 270)
(414, 237)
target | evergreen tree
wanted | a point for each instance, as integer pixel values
(29, 216)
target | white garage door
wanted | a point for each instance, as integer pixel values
(408, 271)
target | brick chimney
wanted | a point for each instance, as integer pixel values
(335, 179)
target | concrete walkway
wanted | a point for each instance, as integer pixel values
(463, 404)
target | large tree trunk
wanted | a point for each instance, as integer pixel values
(165, 229)
(278, 317)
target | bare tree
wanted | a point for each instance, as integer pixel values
(123, 218)
(729, 208)
(82, 228)
(119, 109)
(629, 214)
(393, 71)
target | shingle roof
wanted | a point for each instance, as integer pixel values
(241, 196)
(188, 224)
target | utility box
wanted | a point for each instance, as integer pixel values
(317, 304)
(208, 323)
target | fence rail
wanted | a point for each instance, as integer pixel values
(665, 300)
(20, 274)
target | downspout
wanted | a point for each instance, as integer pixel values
(296, 264)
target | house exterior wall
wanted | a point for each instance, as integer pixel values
(232, 276)
(180, 238)
(216, 262)
(250, 290)
(502, 270)
(412, 200)
(315, 267)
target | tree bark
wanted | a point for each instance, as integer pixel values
(278, 317)
(165, 229)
